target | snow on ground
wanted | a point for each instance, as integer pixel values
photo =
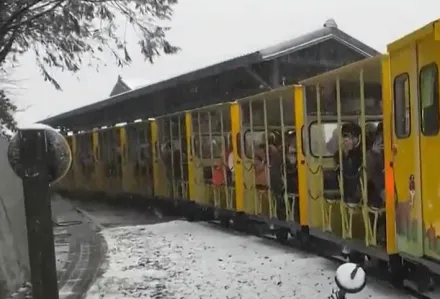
(61, 247)
(194, 260)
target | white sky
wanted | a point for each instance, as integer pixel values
(211, 31)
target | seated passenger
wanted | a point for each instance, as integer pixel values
(332, 144)
(261, 181)
(375, 170)
(370, 132)
(351, 162)
(276, 165)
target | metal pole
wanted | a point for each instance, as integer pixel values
(34, 159)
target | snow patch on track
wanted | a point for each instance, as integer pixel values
(179, 259)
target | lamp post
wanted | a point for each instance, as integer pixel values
(39, 156)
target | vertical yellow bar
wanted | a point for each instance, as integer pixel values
(156, 171)
(238, 169)
(298, 99)
(97, 183)
(389, 172)
(188, 133)
(74, 163)
(123, 140)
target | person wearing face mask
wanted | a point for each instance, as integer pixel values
(351, 162)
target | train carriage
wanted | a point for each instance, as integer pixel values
(340, 207)
(170, 156)
(211, 157)
(266, 152)
(346, 156)
(137, 169)
(413, 116)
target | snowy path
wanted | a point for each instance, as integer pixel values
(194, 260)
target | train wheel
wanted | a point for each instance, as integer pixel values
(423, 279)
(282, 235)
(241, 223)
(224, 221)
(397, 270)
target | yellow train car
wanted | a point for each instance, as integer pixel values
(339, 205)
(346, 157)
(414, 121)
(266, 157)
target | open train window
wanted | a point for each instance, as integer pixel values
(402, 106)
(202, 146)
(326, 143)
(429, 105)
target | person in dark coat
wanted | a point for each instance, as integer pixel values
(375, 170)
(351, 162)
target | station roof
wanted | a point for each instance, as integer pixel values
(327, 32)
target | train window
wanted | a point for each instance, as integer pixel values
(402, 106)
(255, 137)
(206, 147)
(325, 144)
(429, 105)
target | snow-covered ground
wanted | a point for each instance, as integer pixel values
(179, 259)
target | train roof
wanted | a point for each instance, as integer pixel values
(327, 32)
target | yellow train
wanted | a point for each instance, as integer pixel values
(347, 156)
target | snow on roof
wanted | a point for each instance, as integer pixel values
(135, 83)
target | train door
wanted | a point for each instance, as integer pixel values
(429, 123)
(406, 140)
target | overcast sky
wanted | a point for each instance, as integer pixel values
(209, 31)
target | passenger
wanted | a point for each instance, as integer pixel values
(261, 181)
(219, 171)
(332, 144)
(165, 152)
(376, 181)
(370, 132)
(224, 167)
(292, 171)
(375, 170)
(177, 168)
(275, 168)
(230, 166)
(291, 165)
(351, 162)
